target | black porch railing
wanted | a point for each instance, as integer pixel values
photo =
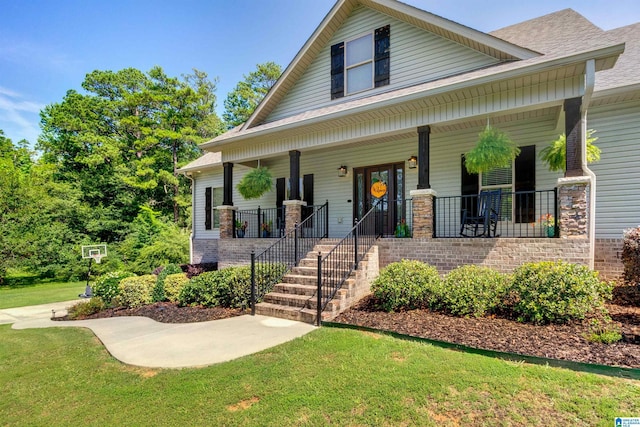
(269, 266)
(522, 214)
(259, 223)
(335, 267)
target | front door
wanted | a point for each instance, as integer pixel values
(392, 204)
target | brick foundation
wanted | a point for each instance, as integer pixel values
(607, 258)
(238, 251)
(502, 254)
(204, 250)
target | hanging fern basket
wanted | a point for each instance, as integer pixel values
(255, 183)
(493, 150)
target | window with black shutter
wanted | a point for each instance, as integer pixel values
(207, 208)
(361, 63)
(281, 189)
(307, 196)
(469, 189)
(525, 185)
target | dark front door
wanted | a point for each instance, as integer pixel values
(391, 202)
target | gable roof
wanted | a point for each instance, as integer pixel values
(477, 40)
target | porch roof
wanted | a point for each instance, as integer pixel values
(206, 161)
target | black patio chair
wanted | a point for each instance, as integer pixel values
(485, 223)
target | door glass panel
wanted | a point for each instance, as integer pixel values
(360, 195)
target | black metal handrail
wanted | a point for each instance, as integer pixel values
(259, 223)
(269, 266)
(522, 214)
(336, 266)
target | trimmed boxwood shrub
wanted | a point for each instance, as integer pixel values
(158, 290)
(471, 290)
(173, 284)
(229, 287)
(406, 285)
(106, 286)
(136, 291)
(556, 292)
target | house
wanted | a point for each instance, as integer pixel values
(383, 92)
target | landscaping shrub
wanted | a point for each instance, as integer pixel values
(604, 330)
(136, 291)
(471, 290)
(173, 284)
(229, 287)
(557, 292)
(631, 254)
(407, 285)
(106, 286)
(86, 308)
(158, 290)
(193, 270)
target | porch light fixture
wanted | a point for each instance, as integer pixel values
(342, 171)
(412, 162)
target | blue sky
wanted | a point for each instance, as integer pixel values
(47, 47)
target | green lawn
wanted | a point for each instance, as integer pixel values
(51, 377)
(39, 293)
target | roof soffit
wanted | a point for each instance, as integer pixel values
(479, 41)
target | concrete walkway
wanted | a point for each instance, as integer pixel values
(144, 342)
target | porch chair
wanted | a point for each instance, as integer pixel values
(486, 221)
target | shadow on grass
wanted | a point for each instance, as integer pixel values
(23, 281)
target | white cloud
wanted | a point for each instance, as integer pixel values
(19, 117)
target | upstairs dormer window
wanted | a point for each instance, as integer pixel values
(360, 64)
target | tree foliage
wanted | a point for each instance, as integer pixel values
(124, 139)
(245, 97)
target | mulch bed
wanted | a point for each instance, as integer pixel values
(563, 342)
(166, 312)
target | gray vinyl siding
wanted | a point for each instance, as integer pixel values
(618, 171)
(417, 56)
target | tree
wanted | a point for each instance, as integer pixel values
(245, 97)
(124, 139)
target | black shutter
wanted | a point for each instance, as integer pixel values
(280, 195)
(337, 70)
(469, 187)
(382, 55)
(307, 191)
(525, 165)
(207, 208)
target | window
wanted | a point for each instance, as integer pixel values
(212, 198)
(517, 181)
(360, 64)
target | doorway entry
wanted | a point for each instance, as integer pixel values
(391, 202)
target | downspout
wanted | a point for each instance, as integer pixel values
(193, 220)
(589, 80)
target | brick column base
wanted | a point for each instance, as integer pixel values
(422, 213)
(293, 214)
(573, 195)
(226, 221)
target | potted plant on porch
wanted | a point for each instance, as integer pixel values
(241, 228)
(548, 222)
(266, 228)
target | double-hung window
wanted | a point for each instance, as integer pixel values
(361, 63)
(212, 198)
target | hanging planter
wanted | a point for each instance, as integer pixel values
(555, 154)
(255, 183)
(493, 150)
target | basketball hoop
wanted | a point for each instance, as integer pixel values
(95, 253)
